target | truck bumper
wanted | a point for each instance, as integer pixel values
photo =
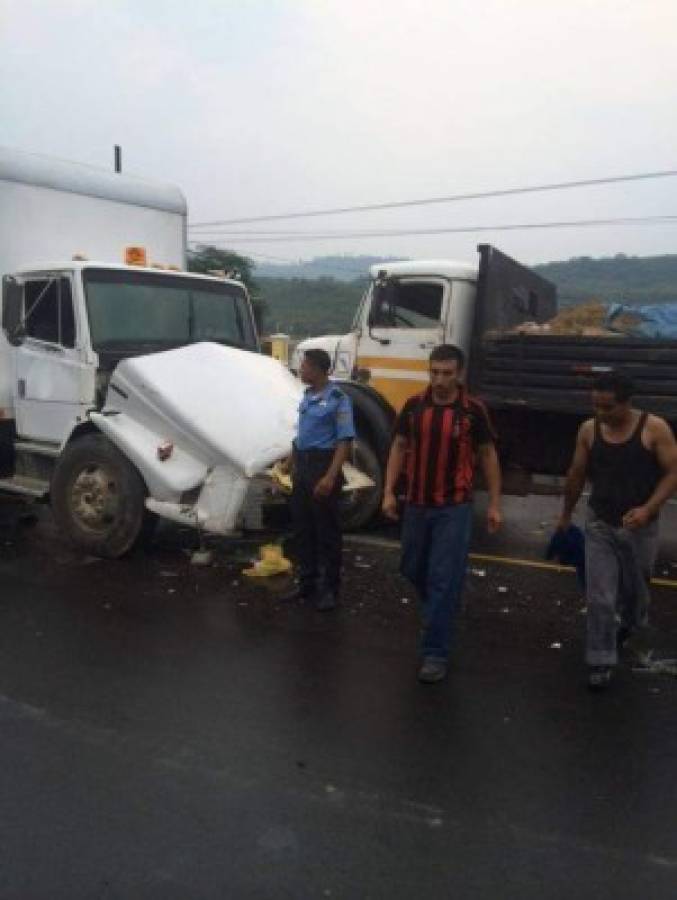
(217, 507)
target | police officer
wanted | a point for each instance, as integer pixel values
(322, 445)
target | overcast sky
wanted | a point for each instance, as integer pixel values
(265, 106)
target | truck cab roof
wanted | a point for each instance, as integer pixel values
(447, 268)
(80, 265)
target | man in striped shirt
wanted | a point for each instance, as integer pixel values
(440, 437)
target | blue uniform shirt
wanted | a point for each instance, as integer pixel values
(324, 419)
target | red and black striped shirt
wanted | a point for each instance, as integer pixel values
(442, 447)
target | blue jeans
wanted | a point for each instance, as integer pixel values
(435, 542)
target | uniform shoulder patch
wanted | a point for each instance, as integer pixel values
(336, 393)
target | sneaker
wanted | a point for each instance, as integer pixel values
(599, 677)
(432, 671)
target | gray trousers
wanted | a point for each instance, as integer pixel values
(618, 564)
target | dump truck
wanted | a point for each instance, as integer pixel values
(535, 384)
(129, 389)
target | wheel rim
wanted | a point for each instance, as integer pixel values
(95, 499)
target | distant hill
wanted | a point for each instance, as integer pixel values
(343, 268)
(631, 279)
(309, 303)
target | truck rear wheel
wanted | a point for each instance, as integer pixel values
(98, 497)
(358, 508)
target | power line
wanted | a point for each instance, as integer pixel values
(281, 237)
(453, 198)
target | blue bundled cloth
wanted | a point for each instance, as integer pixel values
(568, 547)
(652, 321)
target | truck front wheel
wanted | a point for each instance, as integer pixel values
(98, 497)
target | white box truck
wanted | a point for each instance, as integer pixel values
(126, 391)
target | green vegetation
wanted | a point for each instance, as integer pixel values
(304, 306)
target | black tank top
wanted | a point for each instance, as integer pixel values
(623, 476)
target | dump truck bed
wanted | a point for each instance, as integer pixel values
(554, 373)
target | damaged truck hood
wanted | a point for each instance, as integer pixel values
(218, 405)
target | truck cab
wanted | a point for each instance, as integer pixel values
(127, 391)
(110, 440)
(66, 326)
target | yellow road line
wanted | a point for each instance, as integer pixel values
(516, 561)
(501, 560)
(555, 567)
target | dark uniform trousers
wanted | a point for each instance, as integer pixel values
(317, 529)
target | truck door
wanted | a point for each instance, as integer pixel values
(405, 320)
(53, 385)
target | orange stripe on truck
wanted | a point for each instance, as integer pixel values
(389, 362)
(396, 390)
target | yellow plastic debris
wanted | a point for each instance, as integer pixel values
(281, 478)
(271, 562)
(354, 479)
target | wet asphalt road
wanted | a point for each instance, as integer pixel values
(174, 732)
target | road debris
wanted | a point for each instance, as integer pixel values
(650, 666)
(201, 558)
(271, 562)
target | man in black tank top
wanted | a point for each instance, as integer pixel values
(630, 459)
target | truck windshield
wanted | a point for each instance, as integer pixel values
(131, 309)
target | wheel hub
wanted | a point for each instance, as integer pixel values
(94, 498)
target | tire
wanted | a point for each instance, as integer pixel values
(358, 508)
(98, 497)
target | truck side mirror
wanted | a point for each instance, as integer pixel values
(12, 308)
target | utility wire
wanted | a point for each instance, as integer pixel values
(453, 198)
(278, 237)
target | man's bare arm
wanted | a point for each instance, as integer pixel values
(577, 474)
(394, 468)
(664, 446)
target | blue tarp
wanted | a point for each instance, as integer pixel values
(655, 321)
